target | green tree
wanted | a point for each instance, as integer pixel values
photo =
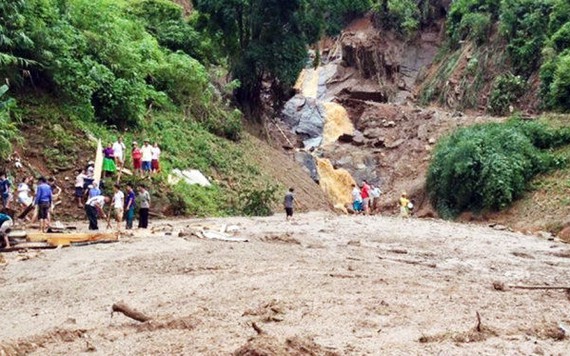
(263, 39)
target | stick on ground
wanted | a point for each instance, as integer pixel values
(121, 307)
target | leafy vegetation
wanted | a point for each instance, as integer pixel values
(487, 167)
(8, 130)
(536, 34)
(507, 89)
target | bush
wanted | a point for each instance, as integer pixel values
(470, 19)
(258, 202)
(560, 87)
(487, 167)
(195, 200)
(507, 89)
(400, 15)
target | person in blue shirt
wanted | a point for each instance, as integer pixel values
(5, 190)
(43, 201)
(130, 206)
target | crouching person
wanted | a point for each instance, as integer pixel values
(93, 208)
(6, 224)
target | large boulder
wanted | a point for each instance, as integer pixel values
(307, 161)
(306, 117)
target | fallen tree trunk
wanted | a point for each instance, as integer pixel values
(539, 287)
(123, 308)
(57, 239)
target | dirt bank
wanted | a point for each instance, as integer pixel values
(323, 284)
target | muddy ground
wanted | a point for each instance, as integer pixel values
(323, 284)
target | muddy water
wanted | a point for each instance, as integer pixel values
(337, 123)
(336, 183)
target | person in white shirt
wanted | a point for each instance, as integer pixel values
(146, 150)
(23, 191)
(356, 199)
(375, 193)
(93, 207)
(118, 205)
(155, 158)
(119, 149)
(79, 186)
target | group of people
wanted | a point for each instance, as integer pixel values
(366, 198)
(123, 207)
(42, 202)
(145, 159)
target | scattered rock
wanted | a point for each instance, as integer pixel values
(358, 139)
(432, 141)
(389, 124)
(564, 234)
(545, 235)
(395, 144)
(500, 227)
(500, 286)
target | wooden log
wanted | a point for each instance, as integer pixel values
(123, 308)
(28, 246)
(57, 239)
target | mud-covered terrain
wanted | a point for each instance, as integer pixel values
(323, 284)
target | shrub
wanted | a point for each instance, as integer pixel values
(258, 202)
(400, 15)
(195, 200)
(560, 87)
(507, 89)
(487, 167)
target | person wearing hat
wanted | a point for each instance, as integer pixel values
(404, 202)
(136, 155)
(146, 151)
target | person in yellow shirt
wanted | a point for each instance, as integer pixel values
(404, 208)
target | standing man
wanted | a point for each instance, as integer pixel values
(288, 203)
(130, 206)
(79, 186)
(155, 163)
(119, 149)
(5, 185)
(118, 205)
(93, 207)
(144, 202)
(43, 201)
(146, 151)
(365, 193)
(5, 224)
(404, 202)
(375, 194)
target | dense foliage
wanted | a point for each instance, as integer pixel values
(537, 35)
(112, 60)
(8, 130)
(486, 167)
(406, 16)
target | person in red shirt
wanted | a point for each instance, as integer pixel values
(365, 193)
(137, 159)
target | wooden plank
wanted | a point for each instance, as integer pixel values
(72, 237)
(28, 246)
(17, 233)
(98, 169)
